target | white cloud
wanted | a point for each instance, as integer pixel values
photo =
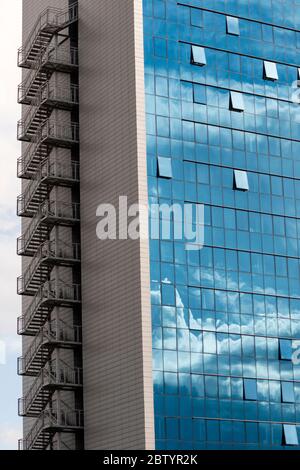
(9, 437)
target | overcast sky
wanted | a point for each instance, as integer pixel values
(10, 76)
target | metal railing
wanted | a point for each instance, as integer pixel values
(34, 77)
(61, 210)
(35, 151)
(49, 173)
(29, 125)
(51, 293)
(51, 57)
(51, 93)
(47, 49)
(50, 213)
(24, 240)
(51, 250)
(38, 149)
(24, 133)
(56, 373)
(50, 21)
(50, 335)
(57, 132)
(60, 58)
(58, 418)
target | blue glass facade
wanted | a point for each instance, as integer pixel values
(225, 318)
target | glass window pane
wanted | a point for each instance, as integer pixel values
(200, 94)
(233, 26)
(287, 392)
(198, 55)
(241, 180)
(165, 167)
(236, 101)
(270, 70)
(250, 389)
(285, 349)
(196, 17)
(290, 435)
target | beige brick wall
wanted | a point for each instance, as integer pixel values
(117, 350)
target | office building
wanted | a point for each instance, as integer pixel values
(147, 344)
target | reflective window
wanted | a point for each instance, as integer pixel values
(164, 167)
(241, 180)
(290, 435)
(236, 101)
(270, 71)
(224, 317)
(196, 17)
(250, 389)
(198, 55)
(233, 25)
(200, 94)
(287, 392)
(286, 352)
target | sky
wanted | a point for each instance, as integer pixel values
(10, 266)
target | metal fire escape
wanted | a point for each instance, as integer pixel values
(51, 321)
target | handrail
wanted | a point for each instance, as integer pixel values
(40, 22)
(53, 249)
(58, 55)
(62, 131)
(49, 128)
(26, 84)
(25, 122)
(53, 19)
(25, 444)
(56, 209)
(58, 416)
(24, 162)
(53, 331)
(61, 210)
(62, 373)
(51, 290)
(56, 372)
(65, 94)
(30, 152)
(24, 239)
(47, 169)
(51, 54)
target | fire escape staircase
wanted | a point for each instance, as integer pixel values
(47, 50)
(51, 294)
(54, 334)
(49, 174)
(50, 22)
(56, 375)
(59, 134)
(60, 417)
(50, 213)
(49, 254)
(50, 134)
(49, 96)
(51, 59)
